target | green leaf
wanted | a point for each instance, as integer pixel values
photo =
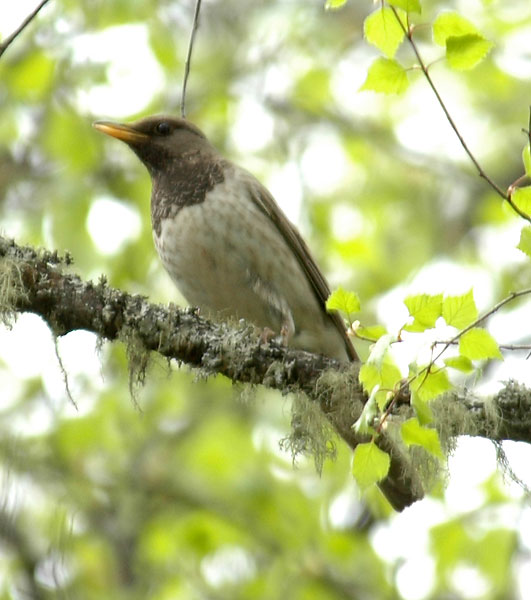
(312, 90)
(163, 43)
(386, 76)
(334, 4)
(382, 30)
(408, 5)
(450, 543)
(495, 565)
(422, 409)
(379, 350)
(372, 332)
(478, 344)
(494, 489)
(461, 363)
(370, 464)
(413, 434)
(380, 370)
(386, 378)
(451, 24)
(526, 159)
(466, 51)
(425, 309)
(432, 384)
(460, 311)
(525, 241)
(522, 199)
(344, 301)
(69, 138)
(370, 411)
(369, 377)
(33, 76)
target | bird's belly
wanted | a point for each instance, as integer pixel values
(213, 254)
(226, 258)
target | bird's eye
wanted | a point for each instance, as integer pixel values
(163, 128)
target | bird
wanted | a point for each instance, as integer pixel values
(226, 243)
(234, 254)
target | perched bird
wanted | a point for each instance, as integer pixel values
(225, 242)
(232, 252)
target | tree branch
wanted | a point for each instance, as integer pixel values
(11, 38)
(39, 282)
(506, 416)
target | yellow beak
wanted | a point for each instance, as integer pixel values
(122, 132)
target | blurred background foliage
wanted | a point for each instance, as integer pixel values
(187, 494)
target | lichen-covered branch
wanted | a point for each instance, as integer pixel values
(506, 416)
(40, 282)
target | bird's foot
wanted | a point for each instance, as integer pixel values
(267, 335)
(285, 334)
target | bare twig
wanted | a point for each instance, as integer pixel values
(516, 347)
(195, 25)
(8, 41)
(408, 32)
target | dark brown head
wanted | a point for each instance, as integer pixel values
(159, 140)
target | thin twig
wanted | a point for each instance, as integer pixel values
(64, 372)
(512, 296)
(7, 42)
(500, 346)
(195, 25)
(515, 346)
(408, 32)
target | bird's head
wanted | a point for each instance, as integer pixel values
(158, 140)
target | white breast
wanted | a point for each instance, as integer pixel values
(227, 258)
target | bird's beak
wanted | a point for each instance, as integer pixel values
(122, 132)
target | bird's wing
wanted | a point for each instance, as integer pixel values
(266, 203)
